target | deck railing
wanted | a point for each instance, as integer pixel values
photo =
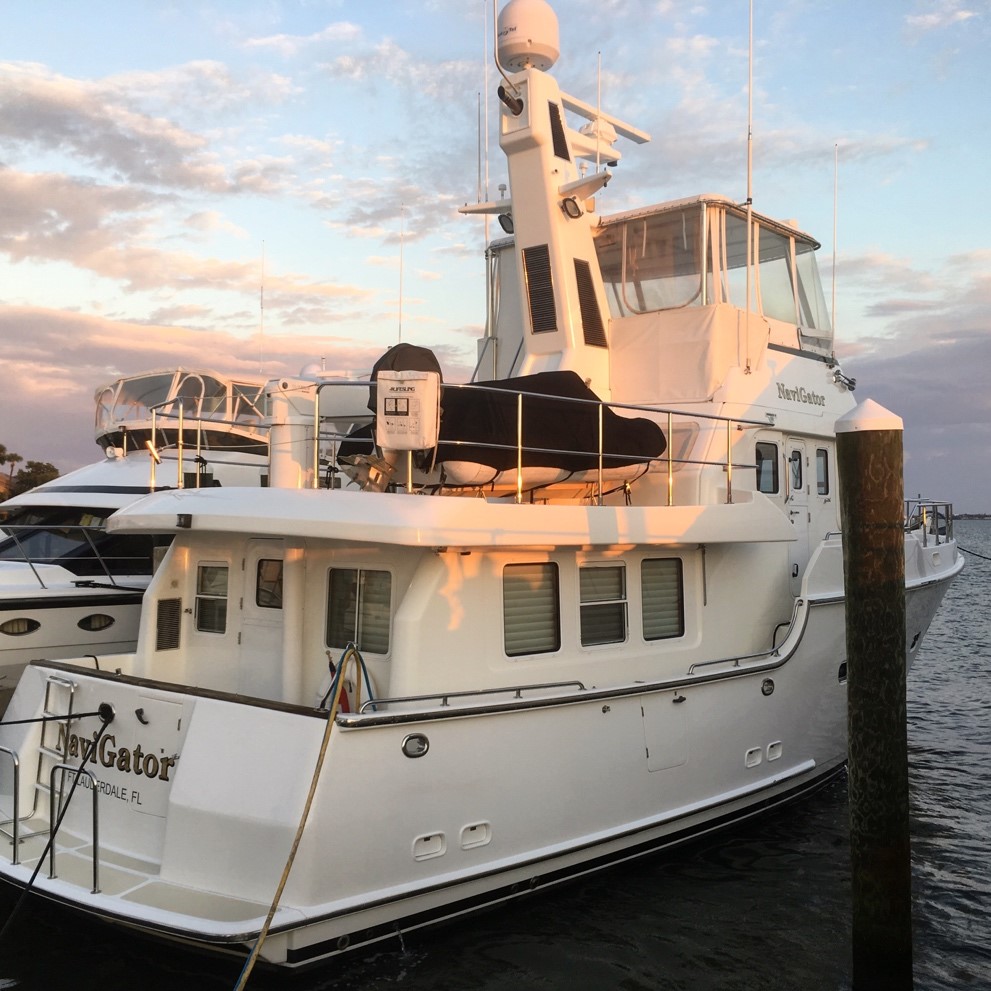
(934, 519)
(668, 419)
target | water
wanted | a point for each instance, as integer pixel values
(766, 906)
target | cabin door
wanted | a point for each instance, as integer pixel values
(797, 505)
(260, 638)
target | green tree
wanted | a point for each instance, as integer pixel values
(33, 474)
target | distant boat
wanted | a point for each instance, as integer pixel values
(588, 607)
(66, 586)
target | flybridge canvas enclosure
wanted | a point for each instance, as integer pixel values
(407, 413)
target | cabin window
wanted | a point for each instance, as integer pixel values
(268, 583)
(662, 594)
(795, 478)
(531, 612)
(822, 471)
(767, 467)
(603, 604)
(211, 598)
(359, 605)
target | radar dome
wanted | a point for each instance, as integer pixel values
(528, 35)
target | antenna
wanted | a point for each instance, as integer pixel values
(261, 315)
(836, 172)
(402, 238)
(598, 109)
(750, 183)
(485, 116)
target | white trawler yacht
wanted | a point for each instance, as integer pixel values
(66, 586)
(593, 611)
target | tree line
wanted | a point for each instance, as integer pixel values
(32, 474)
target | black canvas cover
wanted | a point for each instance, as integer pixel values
(557, 431)
(479, 424)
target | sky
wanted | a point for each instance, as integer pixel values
(254, 185)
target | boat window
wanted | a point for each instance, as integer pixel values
(813, 314)
(735, 259)
(796, 482)
(359, 604)
(822, 471)
(137, 395)
(651, 263)
(777, 293)
(96, 622)
(531, 615)
(268, 583)
(75, 539)
(603, 604)
(211, 598)
(662, 594)
(19, 627)
(767, 467)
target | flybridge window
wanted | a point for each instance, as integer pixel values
(531, 612)
(662, 592)
(603, 604)
(767, 467)
(359, 604)
(211, 598)
(777, 292)
(652, 263)
(785, 271)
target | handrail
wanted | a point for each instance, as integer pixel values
(929, 515)
(62, 768)
(16, 812)
(517, 691)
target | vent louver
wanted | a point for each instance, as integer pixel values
(592, 327)
(557, 132)
(539, 288)
(168, 626)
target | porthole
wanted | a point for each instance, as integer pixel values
(19, 627)
(98, 621)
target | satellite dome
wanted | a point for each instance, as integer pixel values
(528, 35)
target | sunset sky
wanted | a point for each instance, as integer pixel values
(160, 161)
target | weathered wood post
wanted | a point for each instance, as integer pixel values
(869, 460)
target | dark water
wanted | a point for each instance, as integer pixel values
(764, 907)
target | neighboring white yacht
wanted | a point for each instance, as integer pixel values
(587, 608)
(66, 586)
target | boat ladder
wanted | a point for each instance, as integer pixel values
(51, 770)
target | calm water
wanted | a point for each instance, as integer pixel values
(764, 907)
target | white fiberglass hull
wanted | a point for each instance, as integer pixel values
(199, 794)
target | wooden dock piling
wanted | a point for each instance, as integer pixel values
(869, 460)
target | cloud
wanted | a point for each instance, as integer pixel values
(99, 123)
(292, 45)
(102, 229)
(937, 17)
